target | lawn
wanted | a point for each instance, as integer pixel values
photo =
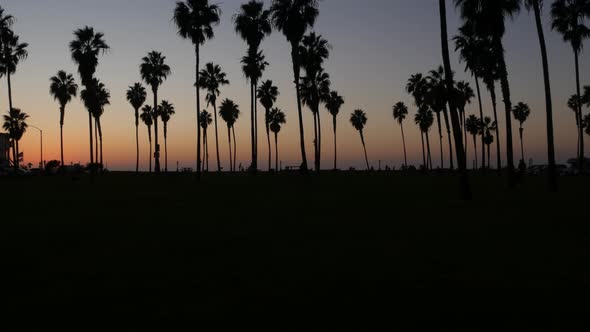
(351, 248)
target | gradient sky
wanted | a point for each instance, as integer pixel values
(377, 45)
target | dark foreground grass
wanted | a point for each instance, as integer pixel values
(355, 249)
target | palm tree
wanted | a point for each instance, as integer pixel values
(293, 18)
(147, 117)
(487, 126)
(62, 88)
(536, 6)
(154, 71)
(276, 119)
(489, 139)
(463, 96)
(136, 95)
(253, 24)
(165, 112)
(195, 20)
(95, 97)
(400, 111)
(490, 74)
(568, 19)
(85, 49)
(358, 119)
(229, 112)
(211, 79)
(587, 124)
(574, 104)
(205, 120)
(521, 113)
(315, 90)
(424, 119)
(16, 126)
(488, 19)
(473, 125)
(333, 105)
(12, 53)
(268, 93)
(437, 97)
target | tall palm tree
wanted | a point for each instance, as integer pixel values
(154, 71)
(205, 121)
(136, 96)
(314, 91)
(12, 52)
(253, 24)
(521, 113)
(536, 6)
(358, 119)
(487, 126)
(268, 93)
(587, 124)
(195, 20)
(568, 19)
(333, 105)
(490, 73)
(488, 19)
(276, 119)
(417, 87)
(16, 126)
(62, 88)
(96, 102)
(437, 97)
(293, 18)
(425, 119)
(473, 125)
(85, 48)
(400, 111)
(489, 139)
(147, 117)
(463, 95)
(6, 22)
(574, 104)
(211, 79)
(165, 112)
(230, 112)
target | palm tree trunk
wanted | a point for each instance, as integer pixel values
(429, 155)
(488, 154)
(315, 141)
(165, 146)
(548, 100)
(508, 108)
(277, 152)
(18, 155)
(268, 138)
(365, 148)
(157, 153)
(255, 127)
(404, 143)
(252, 127)
(198, 93)
(96, 139)
(62, 112)
(231, 164)
(459, 151)
(90, 131)
(464, 132)
(335, 144)
(498, 146)
(483, 156)
(423, 151)
(233, 130)
(440, 137)
(296, 72)
(150, 139)
(475, 150)
(137, 140)
(580, 127)
(216, 137)
(449, 137)
(521, 144)
(100, 137)
(9, 91)
(319, 140)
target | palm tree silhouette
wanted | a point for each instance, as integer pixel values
(491, 74)
(574, 103)
(253, 24)
(147, 117)
(417, 88)
(473, 125)
(489, 139)
(437, 97)
(358, 119)
(62, 88)
(16, 126)
(268, 93)
(195, 20)
(13, 51)
(154, 71)
(487, 19)
(521, 113)
(333, 105)
(276, 119)
(400, 111)
(487, 126)
(95, 98)
(229, 112)
(536, 6)
(293, 18)
(136, 95)
(211, 79)
(6, 22)
(315, 90)
(424, 119)
(205, 120)
(587, 124)
(85, 48)
(165, 112)
(568, 19)
(253, 65)
(463, 95)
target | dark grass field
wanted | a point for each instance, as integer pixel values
(360, 250)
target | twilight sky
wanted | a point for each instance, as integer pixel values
(377, 45)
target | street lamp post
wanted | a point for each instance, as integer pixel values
(41, 164)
